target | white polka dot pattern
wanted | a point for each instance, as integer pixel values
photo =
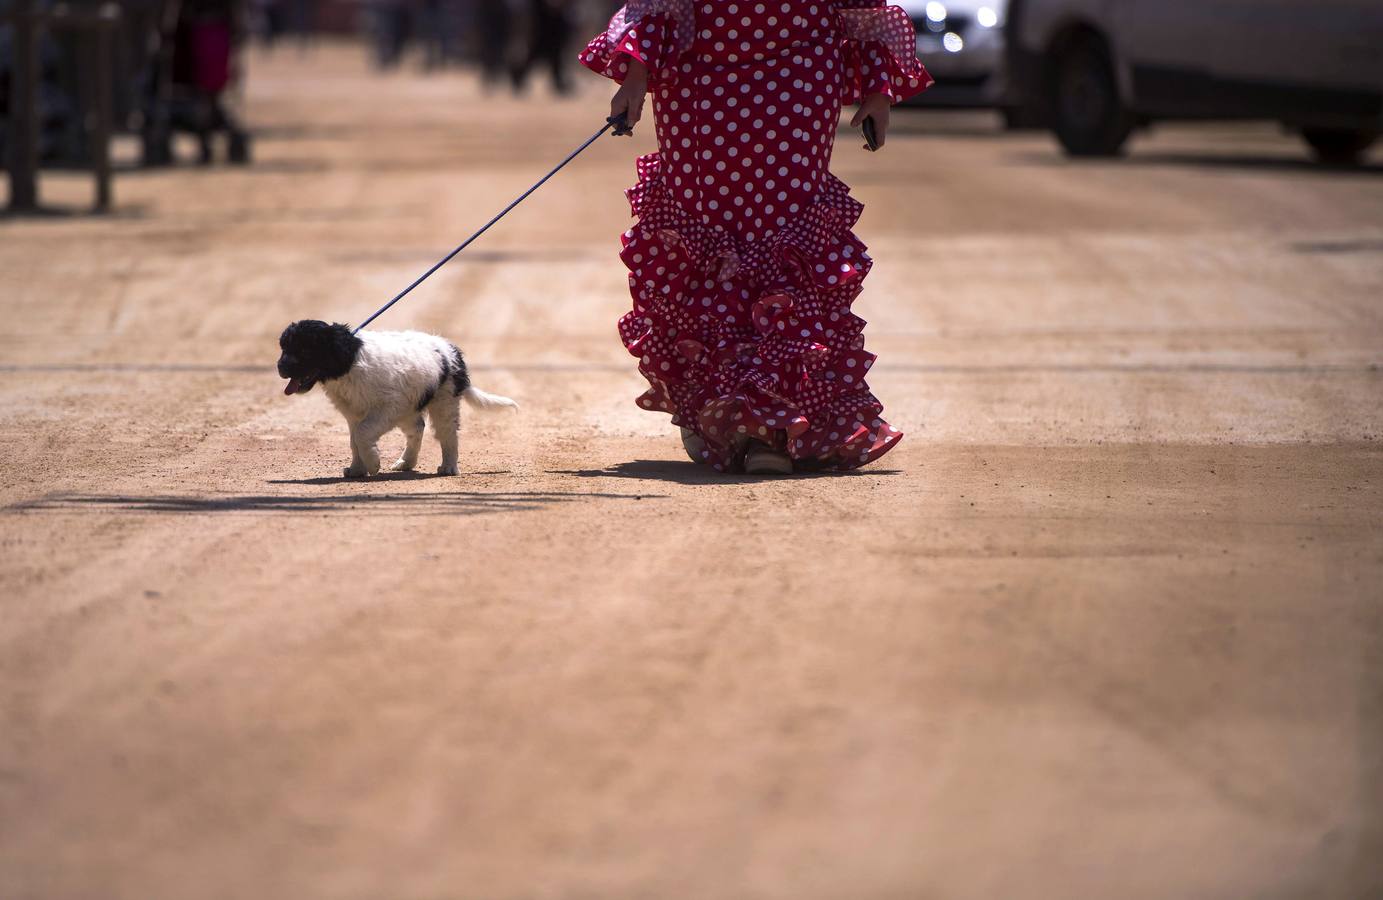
(884, 58)
(742, 264)
(679, 13)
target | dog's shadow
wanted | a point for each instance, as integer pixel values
(382, 477)
(690, 473)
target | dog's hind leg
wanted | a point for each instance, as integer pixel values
(365, 436)
(445, 413)
(412, 428)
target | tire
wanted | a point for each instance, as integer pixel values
(1338, 146)
(1089, 116)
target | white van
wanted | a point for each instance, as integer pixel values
(1096, 69)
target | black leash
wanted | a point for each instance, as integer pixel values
(618, 123)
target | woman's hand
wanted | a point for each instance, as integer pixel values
(876, 107)
(630, 96)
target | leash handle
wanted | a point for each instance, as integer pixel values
(621, 127)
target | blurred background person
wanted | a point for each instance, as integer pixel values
(302, 19)
(172, 67)
(207, 38)
(494, 23)
(268, 20)
(548, 32)
(437, 31)
(389, 26)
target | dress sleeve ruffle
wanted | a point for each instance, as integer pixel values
(655, 32)
(880, 51)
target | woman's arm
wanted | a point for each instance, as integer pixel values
(652, 32)
(643, 41)
(881, 64)
(628, 100)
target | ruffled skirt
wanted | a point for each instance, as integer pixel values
(743, 270)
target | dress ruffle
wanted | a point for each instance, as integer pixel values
(649, 40)
(681, 14)
(744, 339)
(881, 54)
(655, 32)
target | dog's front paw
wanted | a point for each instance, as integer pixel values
(402, 465)
(353, 472)
(447, 470)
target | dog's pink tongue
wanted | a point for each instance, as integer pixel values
(292, 386)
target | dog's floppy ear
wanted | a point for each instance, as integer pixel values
(338, 348)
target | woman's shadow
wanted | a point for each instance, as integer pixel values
(690, 473)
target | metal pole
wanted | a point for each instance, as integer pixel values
(23, 163)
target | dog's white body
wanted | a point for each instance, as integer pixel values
(397, 377)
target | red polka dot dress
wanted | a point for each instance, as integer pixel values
(742, 264)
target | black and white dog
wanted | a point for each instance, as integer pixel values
(383, 380)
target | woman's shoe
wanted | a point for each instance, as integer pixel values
(694, 445)
(761, 459)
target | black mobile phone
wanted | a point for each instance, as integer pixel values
(871, 135)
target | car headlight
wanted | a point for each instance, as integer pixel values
(936, 12)
(987, 17)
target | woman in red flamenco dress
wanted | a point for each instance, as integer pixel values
(742, 264)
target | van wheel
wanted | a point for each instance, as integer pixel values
(1339, 147)
(1089, 116)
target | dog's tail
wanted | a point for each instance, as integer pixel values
(481, 400)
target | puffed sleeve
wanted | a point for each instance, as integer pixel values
(880, 51)
(655, 32)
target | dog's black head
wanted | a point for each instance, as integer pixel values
(315, 351)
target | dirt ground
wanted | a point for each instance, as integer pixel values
(1108, 624)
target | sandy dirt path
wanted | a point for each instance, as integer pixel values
(1108, 623)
